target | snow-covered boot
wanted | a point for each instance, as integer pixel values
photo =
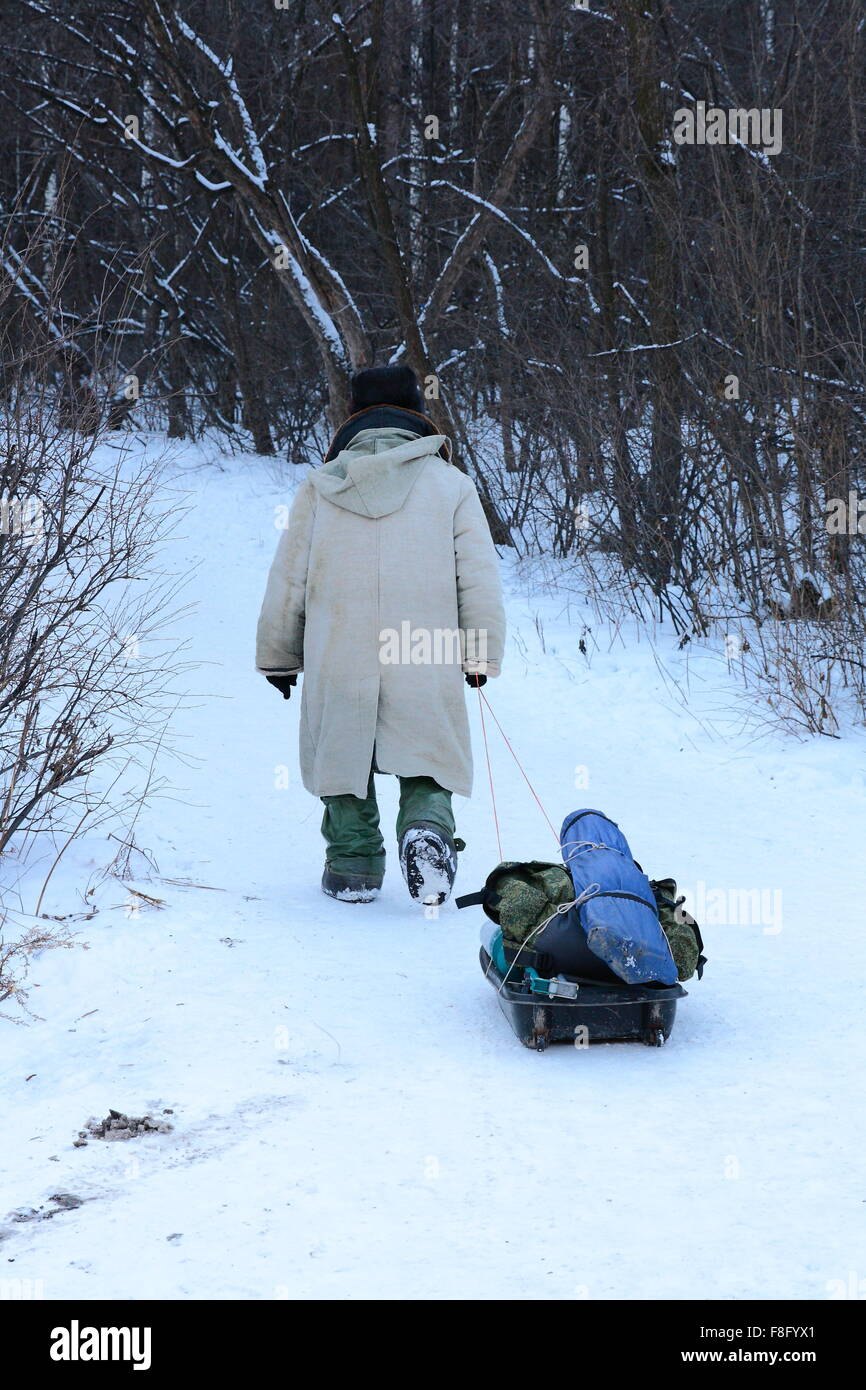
(350, 888)
(428, 858)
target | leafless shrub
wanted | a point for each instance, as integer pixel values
(15, 957)
(88, 653)
(808, 675)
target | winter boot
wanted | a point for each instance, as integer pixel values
(428, 858)
(350, 888)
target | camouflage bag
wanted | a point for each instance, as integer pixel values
(527, 894)
(681, 930)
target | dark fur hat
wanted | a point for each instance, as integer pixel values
(386, 386)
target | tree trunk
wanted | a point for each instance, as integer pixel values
(657, 173)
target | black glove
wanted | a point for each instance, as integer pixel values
(473, 678)
(283, 684)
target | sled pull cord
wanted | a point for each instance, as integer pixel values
(483, 700)
(489, 769)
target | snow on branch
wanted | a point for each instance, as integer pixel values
(509, 222)
(259, 172)
(304, 288)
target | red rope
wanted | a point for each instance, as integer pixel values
(489, 769)
(519, 764)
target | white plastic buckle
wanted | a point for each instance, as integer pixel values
(561, 988)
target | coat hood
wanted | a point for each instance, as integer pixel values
(375, 474)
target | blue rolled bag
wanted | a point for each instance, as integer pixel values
(615, 909)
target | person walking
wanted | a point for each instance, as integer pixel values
(385, 592)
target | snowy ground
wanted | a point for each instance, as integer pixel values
(353, 1117)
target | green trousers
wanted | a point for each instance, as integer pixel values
(351, 826)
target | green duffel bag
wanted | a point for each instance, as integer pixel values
(681, 930)
(525, 895)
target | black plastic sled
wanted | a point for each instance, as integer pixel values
(589, 1012)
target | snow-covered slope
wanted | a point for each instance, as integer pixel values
(352, 1115)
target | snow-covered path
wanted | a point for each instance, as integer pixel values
(353, 1117)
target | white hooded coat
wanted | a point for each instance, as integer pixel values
(386, 556)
